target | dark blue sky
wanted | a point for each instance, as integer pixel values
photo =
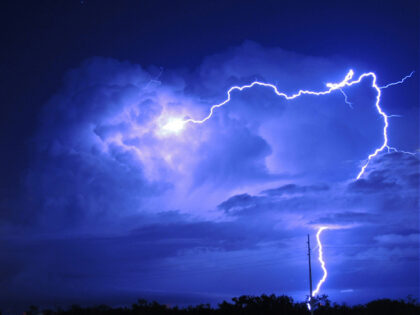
(97, 204)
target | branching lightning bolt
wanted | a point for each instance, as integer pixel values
(175, 125)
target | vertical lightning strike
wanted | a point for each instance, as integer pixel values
(346, 82)
(322, 262)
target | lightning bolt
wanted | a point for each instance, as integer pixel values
(175, 125)
(322, 262)
(397, 82)
(346, 99)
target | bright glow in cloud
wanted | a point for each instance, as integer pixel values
(174, 125)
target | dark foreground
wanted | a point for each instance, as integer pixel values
(248, 305)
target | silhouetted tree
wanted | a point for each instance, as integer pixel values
(33, 310)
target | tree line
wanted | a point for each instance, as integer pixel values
(246, 305)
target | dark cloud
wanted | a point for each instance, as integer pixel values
(205, 235)
(375, 182)
(389, 172)
(239, 202)
(295, 189)
(67, 264)
(345, 218)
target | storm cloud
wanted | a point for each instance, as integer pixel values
(252, 181)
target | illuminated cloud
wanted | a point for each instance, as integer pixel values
(112, 154)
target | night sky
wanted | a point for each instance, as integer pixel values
(100, 204)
